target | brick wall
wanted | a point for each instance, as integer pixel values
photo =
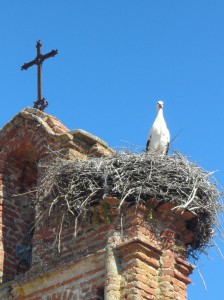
(135, 253)
(26, 141)
(136, 256)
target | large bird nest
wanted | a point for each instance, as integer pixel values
(75, 186)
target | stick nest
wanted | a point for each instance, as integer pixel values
(74, 186)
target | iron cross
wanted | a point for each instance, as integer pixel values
(41, 103)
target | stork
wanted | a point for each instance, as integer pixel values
(159, 135)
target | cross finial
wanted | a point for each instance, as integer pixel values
(41, 103)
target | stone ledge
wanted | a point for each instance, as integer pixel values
(87, 137)
(122, 247)
(94, 145)
(41, 282)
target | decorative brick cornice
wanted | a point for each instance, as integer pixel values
(37, 125)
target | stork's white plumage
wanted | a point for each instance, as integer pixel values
(159, 135)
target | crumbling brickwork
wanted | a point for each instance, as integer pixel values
(137, 252)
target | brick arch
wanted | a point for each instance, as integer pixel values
(21, 170)
(18, 210)
(24, 142)
(22, 164)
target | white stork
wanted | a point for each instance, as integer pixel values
(159, 135)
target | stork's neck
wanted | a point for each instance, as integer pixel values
(160, 113)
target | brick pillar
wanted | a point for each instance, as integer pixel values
(166, 276)
(167, 262)
(113, 277)
(152, 255)
(140, 264)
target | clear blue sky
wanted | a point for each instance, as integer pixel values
(116, 59)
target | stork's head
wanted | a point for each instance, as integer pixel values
(159, 105)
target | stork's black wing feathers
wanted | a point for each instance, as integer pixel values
(167, 148)
(147, 144)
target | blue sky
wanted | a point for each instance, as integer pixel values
(116, 59)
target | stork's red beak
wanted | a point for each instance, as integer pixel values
(160, 105)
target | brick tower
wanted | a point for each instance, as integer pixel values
(138, 254)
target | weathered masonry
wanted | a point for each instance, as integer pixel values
(130, 257)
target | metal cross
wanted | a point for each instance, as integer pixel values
(41, 103)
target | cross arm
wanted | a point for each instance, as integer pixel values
(50, 54)
(29, 64)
